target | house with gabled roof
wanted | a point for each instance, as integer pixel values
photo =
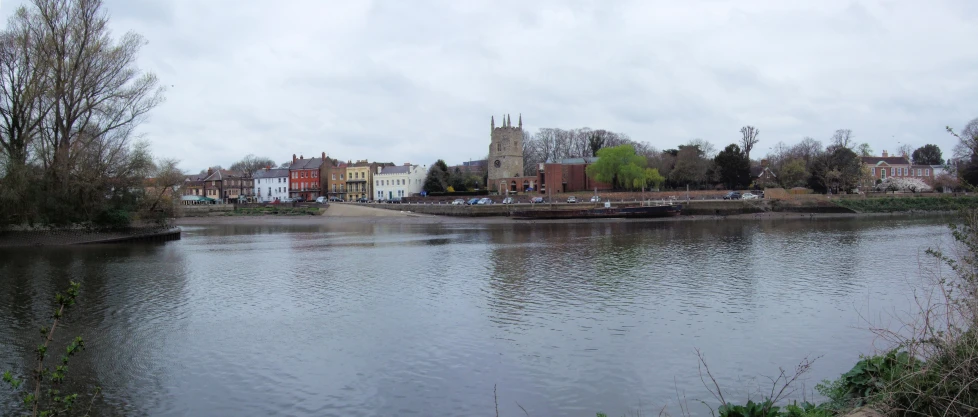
(271, 184)
(306, 177)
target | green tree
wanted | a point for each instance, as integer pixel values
(595, 142)
(928, 155)
(43, 395)
(619, 166)
(437, 179)
(838, 169)
(691, 166)
(865, 150)
(793, 173)
(732, 167)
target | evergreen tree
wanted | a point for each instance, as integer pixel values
(732, 167)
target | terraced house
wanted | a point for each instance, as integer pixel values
(396, 182)
(360, 179)
(306, 177)
(271, 184)
(228, 186)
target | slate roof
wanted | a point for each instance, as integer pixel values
(890, 160)
(221, 174)
(395, 170)
(578, 161)
(311, 163)
(272, 173)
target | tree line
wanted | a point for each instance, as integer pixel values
(832, 166)
(71, 98)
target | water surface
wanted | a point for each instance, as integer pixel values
(364, 319)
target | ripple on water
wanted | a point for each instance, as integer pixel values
(360, 319)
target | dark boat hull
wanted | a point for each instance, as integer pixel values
(601, 213)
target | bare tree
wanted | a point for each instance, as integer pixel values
(748, 138)
(532, 155)
(865, 149)
(164, 175)
(905, 150)
(98, 92)
(24, 81)
(807, 149)
(967, 140)
(251, 164)
(706, 148)
(579, 142)
(843, 138)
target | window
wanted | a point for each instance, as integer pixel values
(874, 171)
(341, 177)
(904, 170)
(499, 146)
(918, 172)
(892, 171)
(926, 172)
(314, 174)
(334, 177)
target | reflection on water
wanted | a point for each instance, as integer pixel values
(385, 319)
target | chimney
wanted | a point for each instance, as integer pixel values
(210, 171)
(301, 157)
(407, 164)
(379, 167)
(324, 156)
(268, 167)
(884, 153)
(293, 158)
(764, 163)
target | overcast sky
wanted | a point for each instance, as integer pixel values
(415, 81)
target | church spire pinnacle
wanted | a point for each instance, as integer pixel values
(521, 121)
(492, 122)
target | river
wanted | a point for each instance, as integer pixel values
(381, 319)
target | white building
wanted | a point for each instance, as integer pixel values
(399, 181)
(271, 184)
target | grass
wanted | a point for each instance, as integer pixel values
(894, 204)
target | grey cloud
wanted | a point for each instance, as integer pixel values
(418, 81)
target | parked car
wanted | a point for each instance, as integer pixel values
(458, 202)
(299, 200)
(395, 200)
(595, 199)
(486, 201)
(749, 196)
(571, 199)
(536, 200)
(363, 200)
(473, 202)
(508, 200)
(320, 200)
(287, 200)
(337, 199)
(733, 195)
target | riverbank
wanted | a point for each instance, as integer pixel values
(352, 214)
(22, 238)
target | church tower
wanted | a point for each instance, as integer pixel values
(505, 150)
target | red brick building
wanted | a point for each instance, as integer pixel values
(568, 176)
(306, 177)
(883, 167)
